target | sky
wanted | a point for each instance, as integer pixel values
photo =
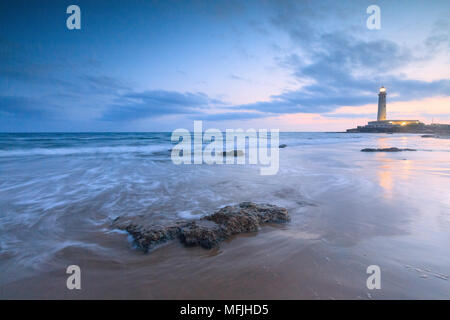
(159, 65)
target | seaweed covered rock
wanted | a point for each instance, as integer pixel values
(206, 232)
(146, 235)
(247, 216)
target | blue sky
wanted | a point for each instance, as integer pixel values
(159, 65)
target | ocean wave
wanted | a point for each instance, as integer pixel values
(149, 149)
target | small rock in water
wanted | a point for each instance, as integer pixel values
(233, 153)
(282, 146)
(206, 232)
(392, 149)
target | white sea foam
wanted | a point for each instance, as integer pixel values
(187, 214)
(80, 150)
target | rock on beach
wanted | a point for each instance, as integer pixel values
(391, 149)
(206, 232)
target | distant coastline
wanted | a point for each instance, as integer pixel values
(410, 128)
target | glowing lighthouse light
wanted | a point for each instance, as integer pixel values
(382, 89)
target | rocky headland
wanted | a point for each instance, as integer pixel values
(391, 149)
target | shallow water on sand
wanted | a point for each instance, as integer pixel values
(349, 209)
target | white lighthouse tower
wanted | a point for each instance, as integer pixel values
(382, 105)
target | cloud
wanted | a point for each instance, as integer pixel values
(329, 97)
(439, 37)
(349, 115)
(154, 103)
(297, 19)
(225, 116)
(239, 78)
(24, 107)
(21, 65)
(103, 84)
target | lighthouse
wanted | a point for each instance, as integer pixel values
(382, 104)
(389, 126)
